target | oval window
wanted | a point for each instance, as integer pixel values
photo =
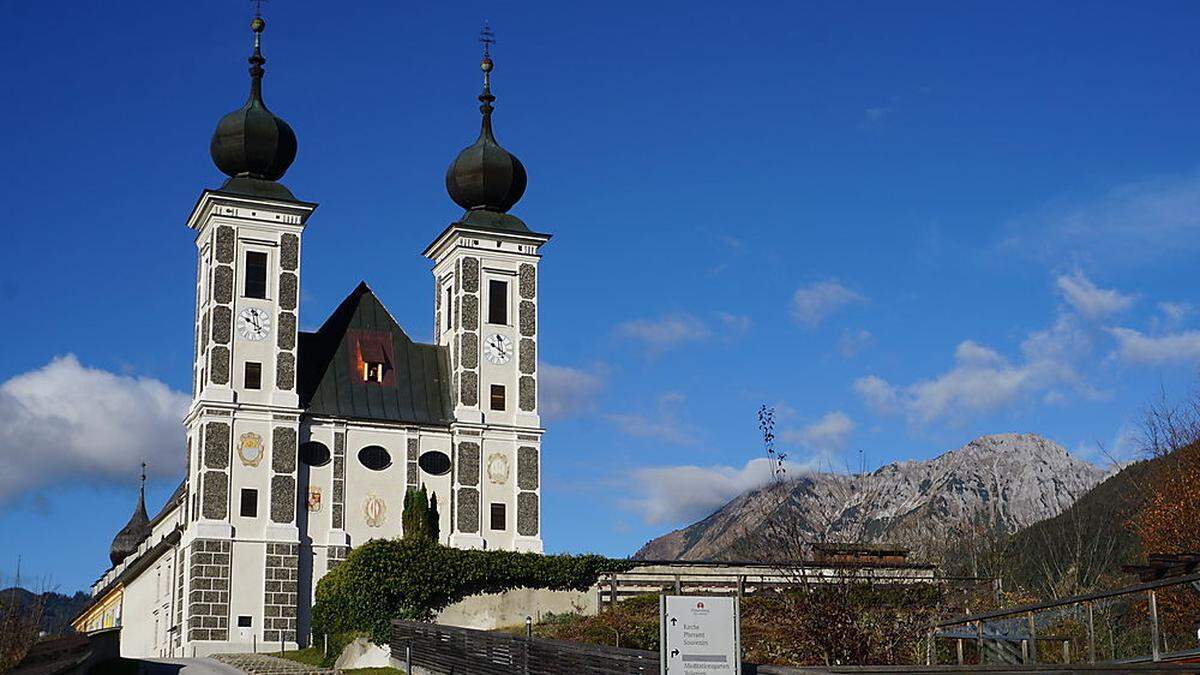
(435, 462)
(314, 453)
(375, 458)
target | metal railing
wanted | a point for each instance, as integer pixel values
(997, 633)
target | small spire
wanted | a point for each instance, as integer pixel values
(143, 480)
(257, 24)
(487, 38)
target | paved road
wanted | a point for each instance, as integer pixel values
(188, 667)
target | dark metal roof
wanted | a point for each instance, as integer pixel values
(416, 390)
(137, 529)
(485, 175)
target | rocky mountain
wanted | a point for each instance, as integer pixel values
(1005, 481)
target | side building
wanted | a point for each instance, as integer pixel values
(302, 445)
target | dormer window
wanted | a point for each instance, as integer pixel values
(373, 372)
(374, 360)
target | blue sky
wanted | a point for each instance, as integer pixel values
(903, 226)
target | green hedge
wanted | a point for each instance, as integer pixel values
(415, 578)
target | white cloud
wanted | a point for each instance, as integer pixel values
(814, 303)
(665, 424)
(65, 421)
(672, 330)
(1138, 348)
(854, 341)
(984, 381)
(566, 391)
(830, 434)
(679, 494)
(1173, 316)
(1088, 299)
(877, 393)
(1130, 224)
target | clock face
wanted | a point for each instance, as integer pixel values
(498, 349)
(254, 324)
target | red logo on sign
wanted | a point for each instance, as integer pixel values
(699, 605)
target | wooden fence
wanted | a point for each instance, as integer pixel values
(462, 651)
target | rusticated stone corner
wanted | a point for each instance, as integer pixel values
(528, 356)
(527, 514)
(219, 365)
(527, 394)
(288, 288)
(216, 495)
(283, 499)
(289, 251)
(287, 331)
(226, 244)
(285, 371)
(470, 271)
(216, 445)
(468, 463)
(528, 319)
(283, 449)
(223, 284)
(469, 388)
(527, 468)
(528, 281)
(468, 510)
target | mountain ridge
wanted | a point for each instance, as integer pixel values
(1007, 481)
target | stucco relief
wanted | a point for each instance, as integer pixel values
(250, 449)
(374, 510)
(498, 468)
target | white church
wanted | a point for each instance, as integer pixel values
(301, 446)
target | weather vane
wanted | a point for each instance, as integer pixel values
(487, 38)
(257, 7)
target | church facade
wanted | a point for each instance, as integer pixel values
(302, 445)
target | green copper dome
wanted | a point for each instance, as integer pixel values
(485, 175)
(252, 141)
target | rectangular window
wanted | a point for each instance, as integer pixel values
(245, 622)
(256, 274)
(499, 519)
(249, 503)
(372, 372)
(498, 302)
(497, 397)
(448, 308)
(252, 379)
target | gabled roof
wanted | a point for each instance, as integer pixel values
(418, 387)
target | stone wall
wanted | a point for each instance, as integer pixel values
(279, 593)
(208, 600)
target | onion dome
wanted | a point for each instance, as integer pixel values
(134, 532)
(252, 142)
(485, 176)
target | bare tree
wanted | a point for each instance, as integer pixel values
(20, 622)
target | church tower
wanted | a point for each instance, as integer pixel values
(243, 424)
(485, 268)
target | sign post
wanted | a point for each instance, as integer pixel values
(699, 635)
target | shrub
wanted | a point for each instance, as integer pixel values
(414, 578)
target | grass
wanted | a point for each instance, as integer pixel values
(311, 656)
